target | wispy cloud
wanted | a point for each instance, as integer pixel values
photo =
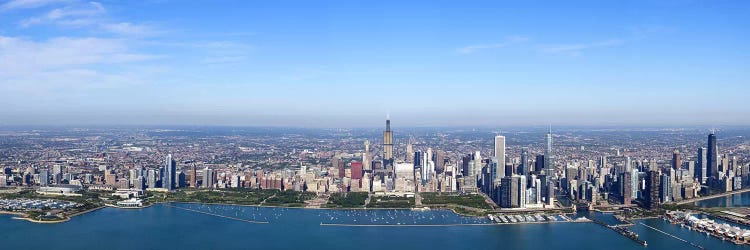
(74, 14)
(23, 55)
(219, 52)
(130, 29)
(28, 4)
(222, 59)
(91, 15)
(508, 41)
(59, 63)
(110, 52)
(578, 48)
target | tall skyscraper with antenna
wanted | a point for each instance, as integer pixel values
(387, 143)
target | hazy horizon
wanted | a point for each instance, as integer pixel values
(346, 64)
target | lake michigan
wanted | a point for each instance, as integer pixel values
(199, 226)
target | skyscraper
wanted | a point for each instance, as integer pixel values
(151, 181)
(439, 159)
(676, 161)
(539, 164)
(653, 183)
(666, 188)
(712, 162)
(477, 160)
(409, 152)
(466, 165)
(700, 170)
(521, 180)
(208, 178)
(513, 191)
(387, 144)
(526, 169)
(356, 170)
(500, 156)
(507, 194)
(634, 183)
(43, 178)
(549, 159)
(193, 177)
(626, 192)
(628, 161)
(170, 169)
(366, 157)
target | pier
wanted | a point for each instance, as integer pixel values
(678, 238)
(624, 231)
(217, 215)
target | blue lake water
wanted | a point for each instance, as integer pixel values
(735, 200)
(166, 227)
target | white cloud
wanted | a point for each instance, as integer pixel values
(28, 4)
(508, 41)
(24, 54)
(130, 29)
(79, 14)
(578, 48)
(223, 59)
(66, 62)
(88, 15)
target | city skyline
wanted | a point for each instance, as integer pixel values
(338, 64)
(433, 124)
(488, 178)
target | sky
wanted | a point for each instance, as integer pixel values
(352, 63)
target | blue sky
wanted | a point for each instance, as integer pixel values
(348, 63)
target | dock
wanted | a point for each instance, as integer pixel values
(622, 230)
(678, 238)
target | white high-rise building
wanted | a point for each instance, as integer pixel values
(366, 157)
(429, 166)
(549, 159)
(634, 183)
(477, 168)
(500, 156)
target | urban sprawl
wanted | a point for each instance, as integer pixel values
(634, 172)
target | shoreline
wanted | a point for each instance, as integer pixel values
(714, 196)
(42, 221)
(128, 208)
(12, 213)
(24, 216)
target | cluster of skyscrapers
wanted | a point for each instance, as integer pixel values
(529, 178)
